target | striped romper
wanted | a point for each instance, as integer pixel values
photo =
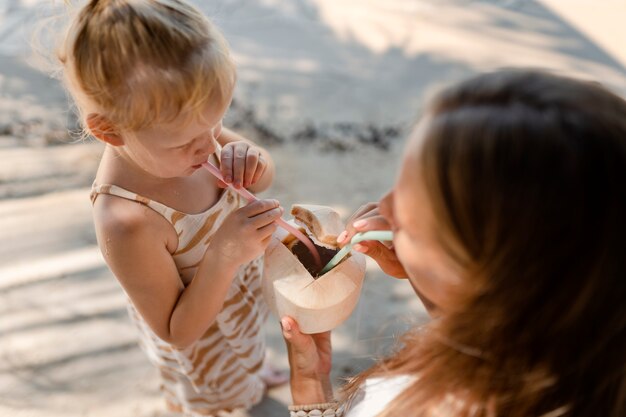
(221, 370)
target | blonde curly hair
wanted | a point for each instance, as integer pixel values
(139, 62)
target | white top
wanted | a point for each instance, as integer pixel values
(375, 394)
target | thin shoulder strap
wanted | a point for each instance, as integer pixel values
(169, 213)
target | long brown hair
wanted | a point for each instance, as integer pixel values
(527, 174)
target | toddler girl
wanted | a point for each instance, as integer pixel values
(152, 79)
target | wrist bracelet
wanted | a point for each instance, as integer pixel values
(330, 409)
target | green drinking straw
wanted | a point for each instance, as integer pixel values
(380, 235)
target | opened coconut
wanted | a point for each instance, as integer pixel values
(291, 285)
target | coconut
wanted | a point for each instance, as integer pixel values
(291, 285)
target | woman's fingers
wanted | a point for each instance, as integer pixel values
(365, 211)
(298, 344)
(370, 221)
(289, 327)
(310, 355)
(385, 257)
(374, 222)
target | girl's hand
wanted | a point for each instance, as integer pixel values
(367, 218)
(310, 357)
(246, 232)
(242, 164)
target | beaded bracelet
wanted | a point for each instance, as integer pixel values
(316, 410)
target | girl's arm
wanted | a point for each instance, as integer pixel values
(137, 244)
(236, 155)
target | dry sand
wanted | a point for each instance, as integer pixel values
(329, 86)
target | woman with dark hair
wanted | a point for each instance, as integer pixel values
(508, 218)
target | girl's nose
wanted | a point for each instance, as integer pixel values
(204, 146)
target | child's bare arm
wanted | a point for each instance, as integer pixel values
(137, 245)
(235, 160)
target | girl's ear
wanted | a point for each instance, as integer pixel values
(103, 129)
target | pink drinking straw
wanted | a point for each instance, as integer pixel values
(282, 223)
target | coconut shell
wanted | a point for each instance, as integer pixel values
(319, 303)
(323, 223)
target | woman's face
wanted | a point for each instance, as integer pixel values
(417, 237)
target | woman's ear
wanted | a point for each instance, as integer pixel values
(103, 129)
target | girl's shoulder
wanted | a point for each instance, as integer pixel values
(128, 219)
(114, 212)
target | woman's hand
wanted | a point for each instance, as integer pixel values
(246, 232)
(242, 164)
(310, 358)
(366, 218)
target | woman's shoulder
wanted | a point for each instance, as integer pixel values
(376, 393)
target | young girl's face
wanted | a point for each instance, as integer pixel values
(176, 149)
(417, 240)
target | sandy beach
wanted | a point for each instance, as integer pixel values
(330, 87)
